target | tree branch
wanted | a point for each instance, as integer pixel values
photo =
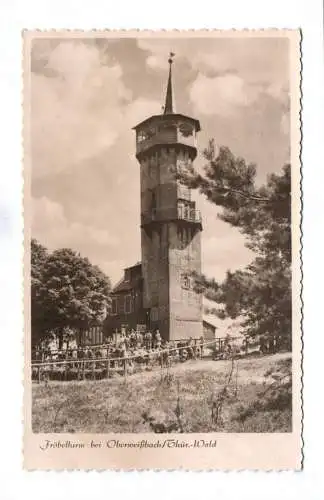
(247, 196)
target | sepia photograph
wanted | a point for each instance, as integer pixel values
(160, 240)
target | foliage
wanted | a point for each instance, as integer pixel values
(68, 292)
(261, 293)
(277, 397)
(39, 256)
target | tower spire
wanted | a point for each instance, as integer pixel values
(168, 108)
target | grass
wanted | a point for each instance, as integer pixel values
(258, 399)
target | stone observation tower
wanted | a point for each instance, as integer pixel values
(170, 223)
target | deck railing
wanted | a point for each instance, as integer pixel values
(172, 213)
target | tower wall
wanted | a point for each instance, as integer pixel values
(170, 232)
(185, 303)
(158, 193)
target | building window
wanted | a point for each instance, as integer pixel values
(121, 305)
(128, 304)
(114, 305)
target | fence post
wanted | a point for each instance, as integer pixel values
(83, 369)
(39, 368)
(108, 363)
(125, 368)
(93, 369)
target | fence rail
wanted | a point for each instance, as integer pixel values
(217, 340)
(104, 367)
(73, 349)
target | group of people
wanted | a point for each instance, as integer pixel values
(133, 341)
(120, 354)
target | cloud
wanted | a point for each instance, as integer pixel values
(230, 73)
(221, 95)
(140, 109)
(52, 228)
(159, 49)
(76, 104)
(285, 123)
(49, 218)
(86, 97)
(156, 62)
(257, 60)
(279, 92)
(223, 247)
(226, 94)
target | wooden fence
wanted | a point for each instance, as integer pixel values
(107, 367)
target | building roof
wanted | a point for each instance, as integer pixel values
(176, 116)
(138, 264)
(212, 321)
(125, 284)
(224, 327)
(168, 108)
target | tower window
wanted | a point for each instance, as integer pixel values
(185, 130)
(141, 136)
(161, 240)
(184, 192)
(150, 133)
(185, 282)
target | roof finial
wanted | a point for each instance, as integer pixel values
(168, 108)
(171, 56)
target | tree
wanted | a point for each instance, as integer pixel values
(261, 293)
(72, 293)
(39, 255)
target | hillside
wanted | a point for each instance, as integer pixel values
(251, 395)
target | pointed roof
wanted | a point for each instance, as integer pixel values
(168, 108)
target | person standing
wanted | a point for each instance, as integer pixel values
(201, 345)
(158, 340)
(148, 340)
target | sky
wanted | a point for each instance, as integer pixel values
(87, 94)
